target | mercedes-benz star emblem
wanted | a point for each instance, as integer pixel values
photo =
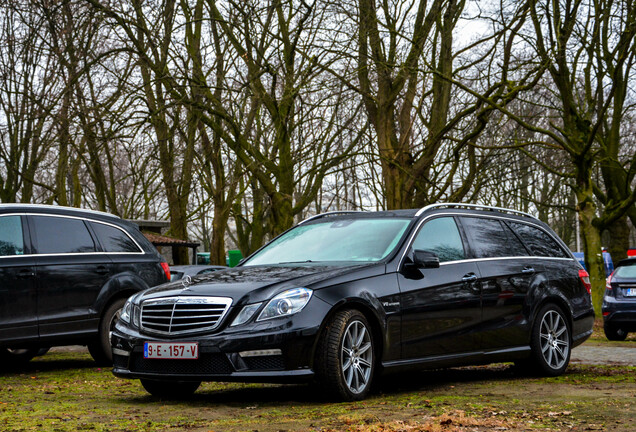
(187, 280)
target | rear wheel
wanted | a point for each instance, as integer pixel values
(614, 333)
(100, 349)
(170, 389)
(13, 357)
(550, 342)
(345, 359)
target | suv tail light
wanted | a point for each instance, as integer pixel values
(585, 278)
(166, 270)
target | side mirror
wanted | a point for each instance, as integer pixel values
(425, 259)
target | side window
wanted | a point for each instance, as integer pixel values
(61, 235)
(538, 241)
(515, 247)
(113, 239)
(441, 236)
(487, 237)
(11, 240)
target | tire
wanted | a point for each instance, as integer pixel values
(15, 357)
(345, 356)
(100, 349)
(614, 333)
(170, 389)
(550, 343)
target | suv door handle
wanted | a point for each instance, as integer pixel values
(25, 273)
(527, 270)
(470, 277)
(102, 270)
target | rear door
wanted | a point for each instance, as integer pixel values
(18, 296)
(507, 272)
(71, 273)
(441, 307)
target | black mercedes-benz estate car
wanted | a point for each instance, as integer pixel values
(343, 296)
(65, 274)
(619, 302)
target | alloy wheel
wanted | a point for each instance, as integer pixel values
(357, 356)
(555, 340)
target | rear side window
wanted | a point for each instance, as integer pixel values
(11, 240)
(113, 239)
(538, 241)
(441, 236)
(55, 235)
(487, 237)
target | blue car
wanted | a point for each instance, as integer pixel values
(619, 302)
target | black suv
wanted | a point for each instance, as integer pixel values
(345, 295)
(64, 276)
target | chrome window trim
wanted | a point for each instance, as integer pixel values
(142, 252)
(498, 217)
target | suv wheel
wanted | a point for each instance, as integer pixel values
(550, 341)
(345, 359)
(100, 349)
(170, 389)
(614, 333)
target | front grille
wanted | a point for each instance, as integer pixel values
(206, 364)
(183, 315)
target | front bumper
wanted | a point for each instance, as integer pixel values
(278, 351)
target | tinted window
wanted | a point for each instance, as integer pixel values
(113, 239)
(441, 236)
(515, 247)
(11, 240)
(538, 241)
(487, 237)
(61, 235)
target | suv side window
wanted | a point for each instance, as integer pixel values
(442, 237)
(113, 239)
(487, 237)
(538, 241)
(11, 240)
(56, 235)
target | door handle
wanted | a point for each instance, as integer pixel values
(25, 273)
(470, 277)
(101, 270)
(527, 270)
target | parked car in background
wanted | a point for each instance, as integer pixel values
(346, 295)
(619, 302)
(179, 272)
(65, 274)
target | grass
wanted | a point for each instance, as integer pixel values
(64, 391)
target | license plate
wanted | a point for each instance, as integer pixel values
(171, 350)
(630, 292)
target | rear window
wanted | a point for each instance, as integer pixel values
(113, 239)
(11, 240)
(538, 241)
(626, 271)
(55, 235)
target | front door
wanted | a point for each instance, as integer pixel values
(441, 307)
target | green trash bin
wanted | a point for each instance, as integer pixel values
(233, 257)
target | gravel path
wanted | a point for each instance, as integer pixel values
(594, 354)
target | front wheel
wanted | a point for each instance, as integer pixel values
(550, 342)
(170, 389)
(345, 359)
(100, 349)
(614, 333)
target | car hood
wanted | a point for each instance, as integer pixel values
(259, 283)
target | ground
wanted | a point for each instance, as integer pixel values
(65, 391)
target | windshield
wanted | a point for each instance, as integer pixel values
(363, 240)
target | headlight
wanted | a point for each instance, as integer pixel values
(245, 314)
(126, 312)
(286, 303)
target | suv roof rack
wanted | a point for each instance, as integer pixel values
(474, 207)
(331, 213)
(57, 207)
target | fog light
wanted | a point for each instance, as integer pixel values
(260, 353)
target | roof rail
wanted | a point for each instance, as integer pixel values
(331, 213)
(56, 207)
(472, 206)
